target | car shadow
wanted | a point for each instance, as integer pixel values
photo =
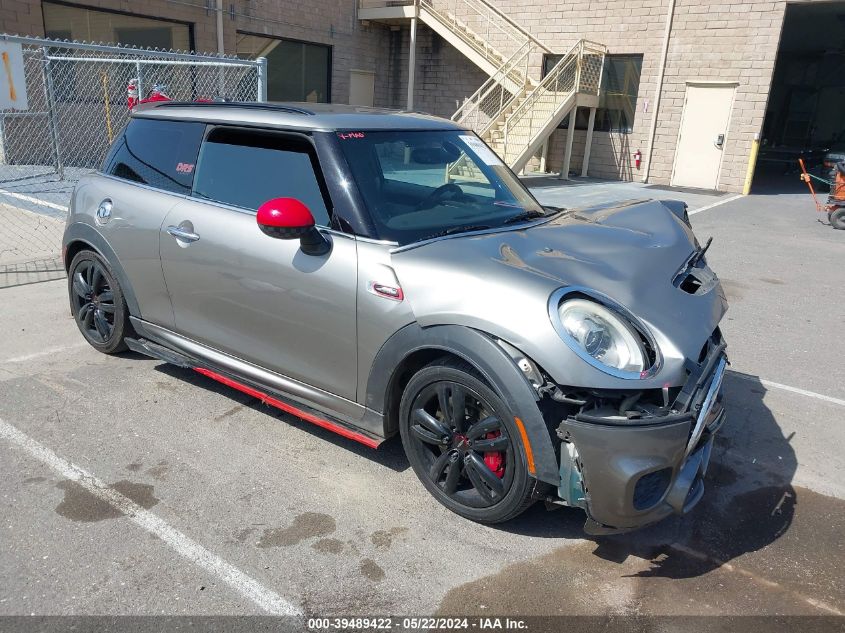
(749, 500)
(389, 454)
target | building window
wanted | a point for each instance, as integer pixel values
(296, 71)
(620, 83)
(67, 21)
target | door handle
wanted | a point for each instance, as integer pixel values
(181, 234)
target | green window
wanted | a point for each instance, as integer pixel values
(296, 71)
(620, 84)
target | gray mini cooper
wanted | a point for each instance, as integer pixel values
(376, 272)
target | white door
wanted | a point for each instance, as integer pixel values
(704, 130)
(361, 87)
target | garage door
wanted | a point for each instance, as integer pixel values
(704, 129)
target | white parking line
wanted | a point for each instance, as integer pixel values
(45, 203)
(266, 599)
(46, 352)
(777, 385)
(715, 204)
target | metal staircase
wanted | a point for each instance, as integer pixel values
(516, 109)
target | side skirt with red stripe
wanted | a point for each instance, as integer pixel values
(335, 427)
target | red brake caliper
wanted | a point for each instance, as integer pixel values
(495, 461)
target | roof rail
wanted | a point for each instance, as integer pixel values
(278, 107)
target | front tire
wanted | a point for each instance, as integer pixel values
(463, 443)
(97, 303)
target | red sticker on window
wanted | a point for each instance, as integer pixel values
(185, 168)
(347, 135)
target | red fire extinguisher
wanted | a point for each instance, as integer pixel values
(156, 94)
(132, 93)
(638, 158)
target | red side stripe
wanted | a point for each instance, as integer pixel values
(284, 406)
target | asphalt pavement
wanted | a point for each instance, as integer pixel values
(128, 486)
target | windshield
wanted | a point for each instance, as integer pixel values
(421, 184)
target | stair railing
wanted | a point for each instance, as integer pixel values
(483, 27)
(496, 95)
(578, 71)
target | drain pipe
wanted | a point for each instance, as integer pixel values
(220, 47)
(670, 12)
(412, 57)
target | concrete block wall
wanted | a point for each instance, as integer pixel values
(330, 22)
(710, 41)
(720, 41)
(24, 17)
(444, 78)
(355, 46)
(21, 17)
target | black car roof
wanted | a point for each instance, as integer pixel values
(303, 116)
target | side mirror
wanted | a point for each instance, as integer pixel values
(289, 219)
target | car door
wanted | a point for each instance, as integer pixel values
(254, 297)
(150, 162)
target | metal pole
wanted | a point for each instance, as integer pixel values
(752, 163)
(589, 143)
(140, 80)
(219, 14)
(412, 56)
(570, 134)
(221, 49)
(2, 140)
(262, 78)
(658, 89)
(51, 113)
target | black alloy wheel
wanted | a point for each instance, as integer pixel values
(462, 443)
(97, 303)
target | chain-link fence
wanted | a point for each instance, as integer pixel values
(77, 103)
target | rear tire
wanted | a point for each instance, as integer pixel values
(837, 218)
(463, 443)
(97, 303)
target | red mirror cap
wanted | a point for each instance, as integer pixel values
(286, 218)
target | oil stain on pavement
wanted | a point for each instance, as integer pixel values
(304, 526)
(370, 570)
(328, 546)
(80, 505)
(383, 539)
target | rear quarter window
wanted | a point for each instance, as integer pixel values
(158, 153)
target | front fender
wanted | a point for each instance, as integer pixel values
(495, 365)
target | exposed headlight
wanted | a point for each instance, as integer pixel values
(602, 335)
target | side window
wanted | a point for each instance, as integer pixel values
(159, 153)
(246, 168)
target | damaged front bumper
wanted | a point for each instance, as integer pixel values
(628, 473)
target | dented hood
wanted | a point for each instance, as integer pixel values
(500, 282)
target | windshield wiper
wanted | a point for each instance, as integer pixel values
(456, 229)
(522, 217)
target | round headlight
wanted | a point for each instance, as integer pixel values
(602, 334)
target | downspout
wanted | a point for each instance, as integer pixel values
(412, 57)
(220, 47)
(670, 12)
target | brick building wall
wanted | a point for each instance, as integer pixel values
(443, 78)
(329, 22)
(710, 41)
(355, 46)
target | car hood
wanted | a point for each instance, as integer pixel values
(500, 282)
